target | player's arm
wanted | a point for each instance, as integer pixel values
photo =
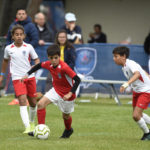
(135, 76)
(36, 61)
(74, 88)
(3, 70)
(34, 68)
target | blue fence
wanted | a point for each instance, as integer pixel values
(95, 61)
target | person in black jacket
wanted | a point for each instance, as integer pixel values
(147, 48)
(45, 35)
(98, 36)
(30, 30)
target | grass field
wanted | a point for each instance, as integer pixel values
(99, 125)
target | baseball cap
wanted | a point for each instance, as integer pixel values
(70, 17)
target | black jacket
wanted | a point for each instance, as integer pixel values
(46, 34)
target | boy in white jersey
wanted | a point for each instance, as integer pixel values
(19, 54)
(139, 80)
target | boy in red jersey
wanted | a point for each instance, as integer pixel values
(65, 83)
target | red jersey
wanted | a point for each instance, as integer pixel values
(62, 77)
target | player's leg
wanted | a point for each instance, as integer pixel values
(24, 112)
(67, 107)
(139, 106)
(67, 122)
(31, 92)
(41, 111)
(41, 105)
(146, 118)
(20, 90)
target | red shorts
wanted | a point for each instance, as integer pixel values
(28, 87)
(141, 100)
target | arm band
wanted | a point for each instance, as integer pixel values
(75, 85)
(2, 74)
(35, 68)
(125, 85)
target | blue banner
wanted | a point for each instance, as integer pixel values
(94, 61)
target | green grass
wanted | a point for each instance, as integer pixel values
(99, 125)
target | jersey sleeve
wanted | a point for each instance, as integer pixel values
(68, 71)
(45, 64)
(6, 55)
(133, 67)
(33, 54)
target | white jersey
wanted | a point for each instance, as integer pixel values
(143, 83)
(20, 59)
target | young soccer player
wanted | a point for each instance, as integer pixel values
(139, 80)
(65, 82)
(19, 54)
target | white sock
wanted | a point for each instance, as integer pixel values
(24, 115)
(143, 126)
(32, 113)
(146, 118)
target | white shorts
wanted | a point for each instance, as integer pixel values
(66, 107)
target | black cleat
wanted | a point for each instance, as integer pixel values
(146, 136)
(67, 133)
(31, 134)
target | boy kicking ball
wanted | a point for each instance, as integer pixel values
(65, 83)
(139, 80)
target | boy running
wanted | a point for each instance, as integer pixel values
(65, 82)
(139, 80)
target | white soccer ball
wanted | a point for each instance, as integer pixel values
(42, 131)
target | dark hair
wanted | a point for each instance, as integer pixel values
(21, 9)
(15, 27)
(53, 50)
(122, 50)
(98, 26)
(67, 44)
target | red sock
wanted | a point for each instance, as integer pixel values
(68, 123)
(41, 114)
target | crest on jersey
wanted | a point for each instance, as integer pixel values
(59, 75)
(86, 59)
(24, 53)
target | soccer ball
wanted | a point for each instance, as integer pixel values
(42, 131)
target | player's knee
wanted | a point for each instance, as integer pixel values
(136, 117)
(40, 105)
(66, 116)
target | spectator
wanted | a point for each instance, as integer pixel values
(147, 48)
(74, 32)
(45, 34)
(98, 36)
(30, 29)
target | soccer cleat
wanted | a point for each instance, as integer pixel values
(146, 136)
(32, 126)
(31, 133)
(27, 130)
(67, 133)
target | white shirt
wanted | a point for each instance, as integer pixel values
(20, 59)
(143, 83)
